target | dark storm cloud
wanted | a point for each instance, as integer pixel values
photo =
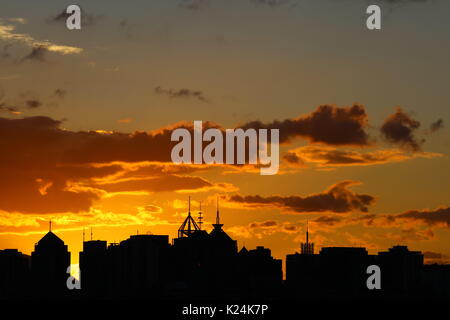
(328, 124)
(182, 93)
(338, 198)
(437, 125)
(399, 129)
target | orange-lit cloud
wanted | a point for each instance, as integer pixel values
(260, 229)
(338, 198)
(328, 124)
(24, 224)
(46, 169)
(327, 156)
(399, 128)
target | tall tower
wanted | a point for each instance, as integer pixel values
(218, 225)
(189, 226)
(200, 217)
(307, 247)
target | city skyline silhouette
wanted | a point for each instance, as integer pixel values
(358, 181)
(198, 264)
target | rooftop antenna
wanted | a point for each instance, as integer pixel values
(307, 247)
(189, 226)
(200, 217)
(217, 225)
(217, 214)
(91, 233)
(83, 235)
(307, 233)
(50, 226)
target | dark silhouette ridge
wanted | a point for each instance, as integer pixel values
(202, 265)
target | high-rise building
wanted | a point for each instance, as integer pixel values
(14, 273)
(94, 268)
(307, 247)
(50, 261)
(401, 269)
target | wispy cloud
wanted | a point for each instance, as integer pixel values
(327, 156)
(7, 33)
(182, 93)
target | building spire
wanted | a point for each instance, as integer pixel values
(189, 226)
(307, 233)
(217, 225)
(217, 213)
(307, 247)
(50, 226)
(189, 206)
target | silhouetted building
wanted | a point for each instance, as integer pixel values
(49, 263)
(138, 265)
(343, 270)
(401, 270)
(307, 247)
(302, 271)
(436, 281)
(203, 263)
(94, 267)
(14, 273)
(335, 271)
(259, 274)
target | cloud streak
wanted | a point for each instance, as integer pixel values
(338, 199)
(7, 33)
(182, 93)
(326, 156)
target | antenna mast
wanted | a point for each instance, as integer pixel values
(218, 225)
(200, 217)
(217, 214)
(189, 226)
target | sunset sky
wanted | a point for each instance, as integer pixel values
(86, 117)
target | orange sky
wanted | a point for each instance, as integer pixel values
(86, 118)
